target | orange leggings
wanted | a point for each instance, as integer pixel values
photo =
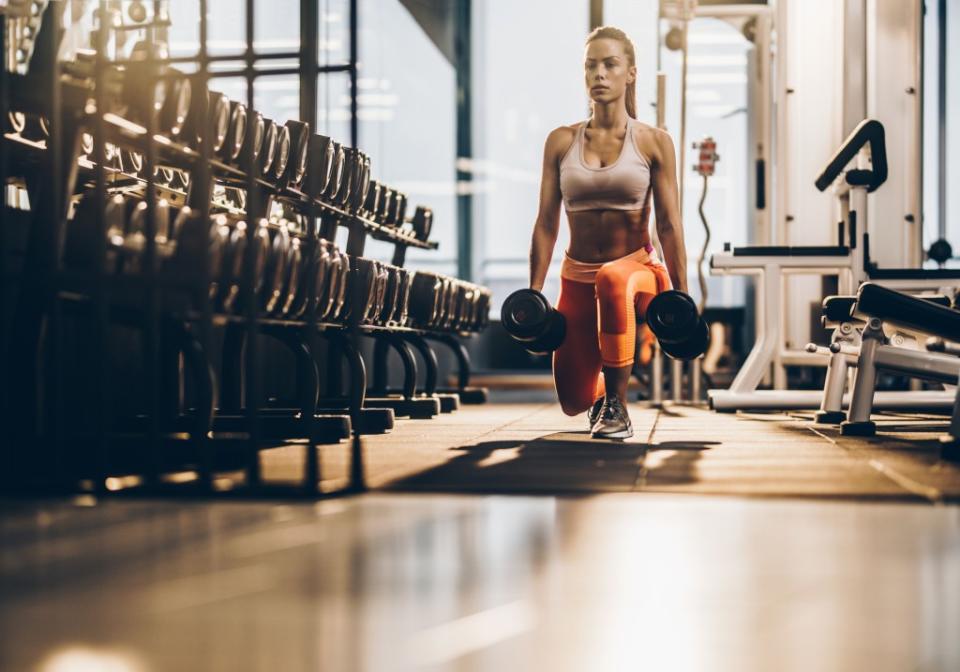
(601, 322)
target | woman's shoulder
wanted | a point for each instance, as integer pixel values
(560, 139)
(561, 133)
(650, 140)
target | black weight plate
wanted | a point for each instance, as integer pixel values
(299, 141)
(275, 270)
(671, 316)
(293, 294)
(218, 109)
(282, 159)
(525, 313)
(386, 199)
(268, 149)
(319, 165)
(692, 347)
(238, 131)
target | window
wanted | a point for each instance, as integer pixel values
(528, 79)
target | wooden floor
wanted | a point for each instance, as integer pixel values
(534, 448)
(503, 538)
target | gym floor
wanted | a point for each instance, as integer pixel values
(501, 537)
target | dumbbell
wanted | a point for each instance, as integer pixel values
(178, 95)
(276, 267)
(530, 319)
(253, 137)
(336, 173)
(394, 217)
(674, 319)
(425, 294)
(293, 296)
(84, 234)
(237, 131)
(391, 294)
(422, 223)
(196, 125)
(332, 297)
(268, 148)
(282, 157)
(14, 122)
(201, 241)
(299, 145)
(401, 311)
(383, 207)
(372, 202)
(320, 155)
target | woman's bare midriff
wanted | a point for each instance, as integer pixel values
(605, 235)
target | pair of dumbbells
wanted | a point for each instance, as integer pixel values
(672, 317)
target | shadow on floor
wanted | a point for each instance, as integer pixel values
(559, 462)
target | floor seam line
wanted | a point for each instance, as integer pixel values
(642, 468)
(928, 492)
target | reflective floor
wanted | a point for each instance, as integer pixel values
(478, 583)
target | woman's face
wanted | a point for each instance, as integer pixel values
(607, 71)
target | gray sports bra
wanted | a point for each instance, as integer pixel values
(623, 185)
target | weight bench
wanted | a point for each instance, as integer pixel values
(877, 305)
(842, 357)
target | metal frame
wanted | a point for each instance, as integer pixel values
(875, 355)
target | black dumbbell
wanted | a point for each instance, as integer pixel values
(276, 267)
(299, 145)
(674, 319)
(422, 223)
(530, 319)
(319, 166)
(268, 148)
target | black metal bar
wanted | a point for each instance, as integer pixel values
(219, 58)
(254, 74)
(54, 156)
(202, 184)
(151, 322)
(100, 296)
(6, 453)
(464, 47)
(942, 118)
(248, 298)
(429, 361)
(354, 56)
(460, 352)
(409, 363)
(309, 54)
(309, 59)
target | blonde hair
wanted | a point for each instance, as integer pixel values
(611, 33)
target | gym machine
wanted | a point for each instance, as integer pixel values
(858, 167)
(880, 307)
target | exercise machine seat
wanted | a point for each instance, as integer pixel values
(908, 312)
(837, 308)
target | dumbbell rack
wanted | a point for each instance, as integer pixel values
(50, 291)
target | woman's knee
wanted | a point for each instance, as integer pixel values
(576, 406)
(611, 282)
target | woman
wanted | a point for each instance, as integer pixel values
(605, 171)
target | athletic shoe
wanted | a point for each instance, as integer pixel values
(613, 423)
(594, 414)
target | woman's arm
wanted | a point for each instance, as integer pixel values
(666, 203)
(547, 226)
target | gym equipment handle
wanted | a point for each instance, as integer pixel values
(867, 131)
